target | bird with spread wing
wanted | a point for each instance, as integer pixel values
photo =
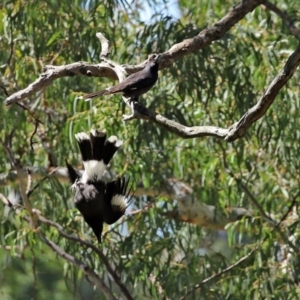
(96, 200)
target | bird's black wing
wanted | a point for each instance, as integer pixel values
(131, 83)
(138, 80)
(116, 200)
(135, 84)
(73, 174)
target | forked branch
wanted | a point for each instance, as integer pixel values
(104, 69)
(111, 69)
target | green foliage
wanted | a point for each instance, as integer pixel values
(156, 257)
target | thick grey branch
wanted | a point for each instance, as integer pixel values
(203, 39)
(207, 36)
(54, 72)
(191, 210)
(186, 132)
(105, 50)
(239, 129)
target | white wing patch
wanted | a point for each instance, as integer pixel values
(119, 202)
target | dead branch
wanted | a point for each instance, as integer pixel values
(240, 128)
(106, 69)
(111, 69)
(237, 130)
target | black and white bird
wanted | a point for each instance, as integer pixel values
(98, 201)
(135, 84)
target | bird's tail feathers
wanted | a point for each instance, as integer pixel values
(112, 145)
(97, 139)
(85, 146)
(96, 153)
(90, 96)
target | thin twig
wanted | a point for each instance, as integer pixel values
(4, 90)
(5, 200)
(252, 198)
(11, 44)
(37, 120)
(145, 208)
(85, 268)
(242, 259)
(33, 134)
(226, 270)
(38, 184)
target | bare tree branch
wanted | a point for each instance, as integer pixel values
(203, 39)
(239, 129)
(191, 210)
(215, 276)
(105, 45)
(93, 277)
(141, 112)
(5, 200)
(89, 245)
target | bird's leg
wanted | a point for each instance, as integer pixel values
(74, 185)
(131, 102)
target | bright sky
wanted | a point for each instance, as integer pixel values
(169, 9)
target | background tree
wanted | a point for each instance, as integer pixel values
(218, 63)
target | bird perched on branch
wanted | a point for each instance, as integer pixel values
(135, 84)
(98, 201)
